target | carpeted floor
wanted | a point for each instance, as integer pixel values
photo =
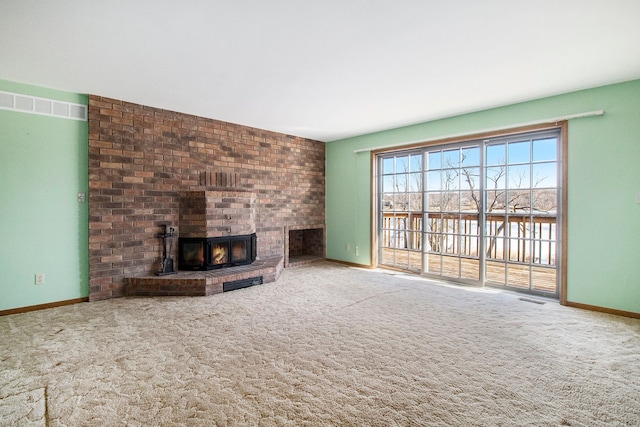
(324, 345)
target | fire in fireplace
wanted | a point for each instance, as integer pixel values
(195, 253)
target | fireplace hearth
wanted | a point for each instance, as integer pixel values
(209, 253)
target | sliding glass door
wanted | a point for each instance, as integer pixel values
(480, 212)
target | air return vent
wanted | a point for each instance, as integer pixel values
(42, 106)
(6, 100)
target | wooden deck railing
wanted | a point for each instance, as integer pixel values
(530, 238)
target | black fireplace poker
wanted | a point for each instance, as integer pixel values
(167, 261)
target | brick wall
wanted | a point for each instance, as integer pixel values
(142, 158)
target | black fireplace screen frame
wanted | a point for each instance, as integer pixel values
(209, 253)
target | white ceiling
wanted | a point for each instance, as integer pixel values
(323, 69)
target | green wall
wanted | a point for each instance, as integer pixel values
(43, 228)
(604, 179)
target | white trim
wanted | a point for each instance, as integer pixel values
(495, 129)
(80, 111)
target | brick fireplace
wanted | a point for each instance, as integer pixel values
(217, 229)
(144, 161)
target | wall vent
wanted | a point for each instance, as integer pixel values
(42, 106)
(242, 283)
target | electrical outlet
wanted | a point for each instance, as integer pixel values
(82, 197)
(347, 247)
(357, 252)
(39, 278)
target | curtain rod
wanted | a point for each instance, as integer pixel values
(499, 128)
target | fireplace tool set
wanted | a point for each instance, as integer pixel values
(167, 260)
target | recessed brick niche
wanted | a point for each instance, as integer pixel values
(143, 160)
(304, 244)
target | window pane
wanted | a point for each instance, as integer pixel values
(469, 246)
(449, 224)
(519, 250)
(416, 162)
(433, 180)
(519, 152)
(451, 158)
(401, 182)
(387, 184)
(415, 205)
(470, 269)
(471, 156)
(451, 266)
(434, 223)
(450, 243)
(545, 175)
(545, 200)
(387, 202)
(434, 202)
(519, 201)
(470, 179)
(496, 272)
(469, 201)
(495, 225)
(450, 201)
(469, 225)
(433, 264)
(544, 228)
(450, 179)
(543, 279)
(495, 177)
(401, 202)
(519, 176)
(495, 247)
(415, 261)
(518, 276)
(387, 166)
(496, 155)
(544, 149)
(435, 160)
(415, 182)
(402, 164)
(496, 201)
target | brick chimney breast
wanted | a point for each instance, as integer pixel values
(217, 213)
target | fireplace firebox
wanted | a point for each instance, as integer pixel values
(208, 253)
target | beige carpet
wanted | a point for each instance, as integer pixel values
(325, 345)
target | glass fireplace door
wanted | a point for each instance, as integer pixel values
(238, 251)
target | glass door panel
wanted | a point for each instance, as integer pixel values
(400, 211)
(452, 203)
(521, 207)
